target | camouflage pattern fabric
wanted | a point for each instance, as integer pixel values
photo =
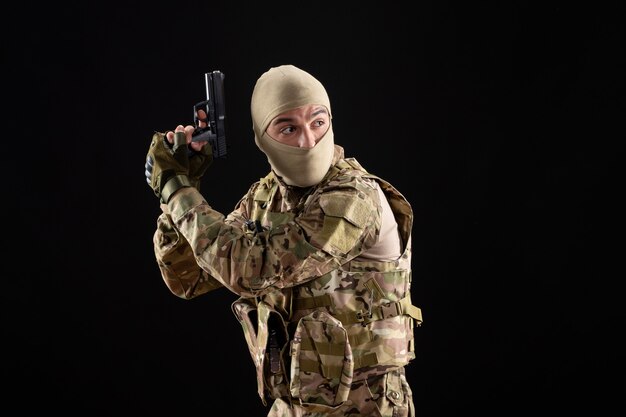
(386, 395)
(324, 325)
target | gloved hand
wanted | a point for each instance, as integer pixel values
(199, 161)
(167, 167)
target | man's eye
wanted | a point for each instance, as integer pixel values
(287, 130)
(319, 123)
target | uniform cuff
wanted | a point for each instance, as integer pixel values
(184, 200)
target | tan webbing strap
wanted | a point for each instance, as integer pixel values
(312, 302)
(325, 299)
(360, 338)
(416, 313)
(326, 348)
(368, 359)
(384, 311)
(334, 371)
(374, 287)
(329, 371)
(323, 348)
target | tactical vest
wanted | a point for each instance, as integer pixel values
(347, 325)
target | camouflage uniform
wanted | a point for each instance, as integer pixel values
(329, 332)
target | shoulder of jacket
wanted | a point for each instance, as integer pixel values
(350, 163)
(349, 173)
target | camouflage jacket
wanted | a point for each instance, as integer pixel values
(314, 313)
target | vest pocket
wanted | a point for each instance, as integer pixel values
(266, 337)
(321, 361)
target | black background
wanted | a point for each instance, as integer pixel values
(502, 124)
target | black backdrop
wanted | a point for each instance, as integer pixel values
(501, 124)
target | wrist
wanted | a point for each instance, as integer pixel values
(174, 184)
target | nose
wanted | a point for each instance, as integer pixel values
(307, 139)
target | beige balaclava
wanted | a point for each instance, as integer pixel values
(278, 90)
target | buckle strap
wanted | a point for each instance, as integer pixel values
(385, 311)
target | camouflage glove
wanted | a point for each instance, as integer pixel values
(167, 167)
(198, 164)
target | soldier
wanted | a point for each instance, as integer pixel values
(318, 252)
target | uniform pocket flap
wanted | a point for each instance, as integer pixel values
(321, 356)
(348, 206)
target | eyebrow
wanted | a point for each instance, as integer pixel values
(319, 111)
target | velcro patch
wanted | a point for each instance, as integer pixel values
(345, 218)
(348, 206)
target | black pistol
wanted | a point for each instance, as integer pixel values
(213, 106)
